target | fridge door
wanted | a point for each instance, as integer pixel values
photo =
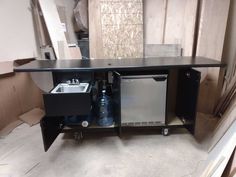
(143, 100)
(51, 127)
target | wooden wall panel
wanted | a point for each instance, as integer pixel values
(54, 28)
(212, 29)
(180, 24)
(154, 21)
(170, 22)
(95, 30)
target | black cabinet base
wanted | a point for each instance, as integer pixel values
(51, 127)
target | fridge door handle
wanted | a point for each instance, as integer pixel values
(160, 78)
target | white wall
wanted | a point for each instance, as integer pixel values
(17, 37)
(17, 34)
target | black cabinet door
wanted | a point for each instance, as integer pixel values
(187, 95)
(50, 128)
(116, 100)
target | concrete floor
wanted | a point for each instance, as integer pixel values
(177, 155)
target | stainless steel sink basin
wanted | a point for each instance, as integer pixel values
(70, 88)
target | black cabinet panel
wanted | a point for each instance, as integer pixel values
(116, 101)
(50, 129)
(67, 104)
(187, 94)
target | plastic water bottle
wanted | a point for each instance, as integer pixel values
(105, 117)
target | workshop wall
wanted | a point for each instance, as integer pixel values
(17, 37)
(17, 32)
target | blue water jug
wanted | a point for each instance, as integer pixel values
(105, 113)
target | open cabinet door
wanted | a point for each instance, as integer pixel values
(50, 127)
(116, 102)
(187, 95)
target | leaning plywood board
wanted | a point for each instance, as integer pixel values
(95, 30)
(75, 52)
(180, 24)
(40, 26)
(154, 21)
(116, 29)
(54, 27)
(211, 36)
(62, 15)
(170, 22)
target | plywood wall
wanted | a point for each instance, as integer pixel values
(213, 22)
(116, 28)
(17, 31)
(170, 22)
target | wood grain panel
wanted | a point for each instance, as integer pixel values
(211, 37)
(116, 28)
(180, 24)
(54, 27)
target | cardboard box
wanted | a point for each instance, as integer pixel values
(18, 95)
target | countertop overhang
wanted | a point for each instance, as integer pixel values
(74, 65)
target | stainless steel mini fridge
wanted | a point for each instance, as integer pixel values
(143, 100)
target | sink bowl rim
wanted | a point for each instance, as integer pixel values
(54, 91)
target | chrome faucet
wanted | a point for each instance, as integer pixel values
(73, 81)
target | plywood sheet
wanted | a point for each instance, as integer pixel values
(170, 22)
(119, 29)
(95, 30)
(154, 21)
(75, 53)
(212, 29)
(40, 25)
(62, 15)
(54, 27)
(180, 24)
(211, 37)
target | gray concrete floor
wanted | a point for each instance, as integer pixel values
(177, 155)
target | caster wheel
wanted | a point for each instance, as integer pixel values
(165, 131)
(78, 136)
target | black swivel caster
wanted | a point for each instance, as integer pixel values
(165, 131)
(78, 136)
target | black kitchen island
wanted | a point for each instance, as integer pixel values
(146, 93)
